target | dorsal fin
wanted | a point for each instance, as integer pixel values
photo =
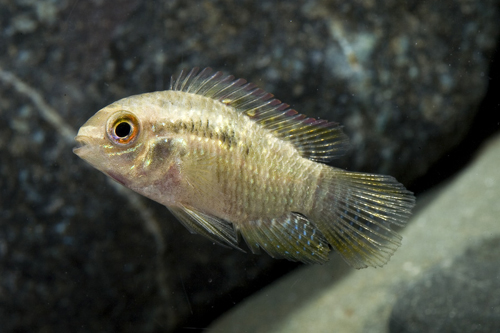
(318, 140)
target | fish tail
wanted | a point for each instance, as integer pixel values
(355, 211)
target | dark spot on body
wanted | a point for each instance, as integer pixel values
(174, 127)
(231, 140)
(223, 136)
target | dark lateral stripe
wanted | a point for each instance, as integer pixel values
(226, 136)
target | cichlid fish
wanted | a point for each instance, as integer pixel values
(228, 159)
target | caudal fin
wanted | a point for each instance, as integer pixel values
(355, 211)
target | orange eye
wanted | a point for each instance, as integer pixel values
(123, 128)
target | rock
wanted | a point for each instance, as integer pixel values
(404, 80)
(78, 253)
(444, 278)
(463, 296)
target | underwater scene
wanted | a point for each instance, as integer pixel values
(249, 166)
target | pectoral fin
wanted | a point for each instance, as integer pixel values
(212, 227)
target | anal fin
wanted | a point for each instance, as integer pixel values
(290, 236)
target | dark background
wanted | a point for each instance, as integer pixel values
(414, 83)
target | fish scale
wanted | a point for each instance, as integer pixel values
(229, 160)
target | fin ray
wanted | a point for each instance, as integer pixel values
(212, 227)
(355, 211)
(291, 236)
(318, 140)
(199, 171)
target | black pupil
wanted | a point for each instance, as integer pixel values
(123, 129)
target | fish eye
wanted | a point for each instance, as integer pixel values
(123, 128)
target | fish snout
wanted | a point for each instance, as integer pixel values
(82, 143)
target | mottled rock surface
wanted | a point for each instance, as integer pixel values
(444, 278)
(463, 296)
(79, 254)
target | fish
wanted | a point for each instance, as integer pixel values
(232, 162)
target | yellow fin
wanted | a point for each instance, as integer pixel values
(212, 227)
(355, 211)
(318, 140)
(290, 236)
(199, 170)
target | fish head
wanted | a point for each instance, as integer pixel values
(113, 141)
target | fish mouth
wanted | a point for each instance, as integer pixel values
(81, 143)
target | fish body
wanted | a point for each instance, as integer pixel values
(228, 159)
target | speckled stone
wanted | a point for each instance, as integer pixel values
(463, 296)
(78, 254)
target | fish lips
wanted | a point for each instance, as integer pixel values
(83, 150)
(83, 144)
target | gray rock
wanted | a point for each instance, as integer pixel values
(463, 296)
(446, 270)
(79, 254)
(403, 78)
